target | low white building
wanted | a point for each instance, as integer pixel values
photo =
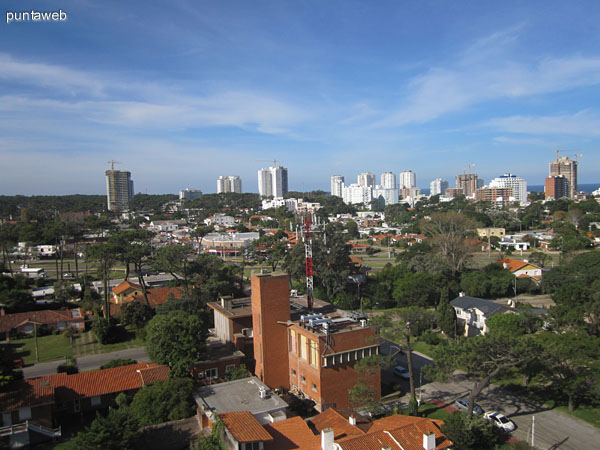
(167, 225)
(473, 313)
(221, 220)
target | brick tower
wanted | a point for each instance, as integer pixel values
(270, 307)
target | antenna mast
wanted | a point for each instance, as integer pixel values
(309, 262)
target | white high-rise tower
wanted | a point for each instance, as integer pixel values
(337, 185)
(388, 180)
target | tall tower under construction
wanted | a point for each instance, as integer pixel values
(567, 168)
(119, 188)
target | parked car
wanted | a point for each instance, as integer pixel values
(500, 420)
(463, 404)
(402, 372)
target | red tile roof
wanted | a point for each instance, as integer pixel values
(101, 382)
(244, 427)
(151, 375)
(331, 418)
(292, 434)
(125, 286)
(157, 295)
(45, 317)
(25, 393)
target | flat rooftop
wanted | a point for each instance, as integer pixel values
(242, 307)
(331, 323)
(238, 395)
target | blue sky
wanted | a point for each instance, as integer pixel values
(185, 92)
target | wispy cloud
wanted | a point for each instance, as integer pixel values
(582, 123)
(479, 76)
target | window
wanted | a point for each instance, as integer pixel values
(96, 401)
(250, 446)
(25, 413)
(293, 372)
(303, 347)
(314, 353)
(314, 387)
(229, 368)
(293, 341)
(303, 380)
(211, 373)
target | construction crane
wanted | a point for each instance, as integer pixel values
(268, 160)
(112, 164)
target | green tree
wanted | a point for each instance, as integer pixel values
(237, 373)
(468, 432)
(448, 232)
(118, 430)
(7, 365)
(164, 401)
(106, 330)
(483, 357)
(363, 395)
(571, 364)
(118, 363)
(446, 315)
(176, 339)
(136, 314)
(105, 257)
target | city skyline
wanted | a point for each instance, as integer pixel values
(183, 94)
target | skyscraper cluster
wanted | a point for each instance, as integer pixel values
(366, 188)
(273, 181)
(231, 183)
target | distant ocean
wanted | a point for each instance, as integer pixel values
(588, 188)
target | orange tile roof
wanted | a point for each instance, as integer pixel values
(45, 317)
(513, 264)
(356, 260)
(99, 382)
(398, 429)
(157, 295)
(292, 434)
(125, 286)
(27, 393)
(244, 427)
(151, 375)
(331, 418)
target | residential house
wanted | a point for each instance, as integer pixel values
(332, 430)
(521, 269)
(25, 322)
(128, 292)
(473, 312)
(37, 404)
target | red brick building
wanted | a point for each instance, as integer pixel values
(270, 313)
(322, 353)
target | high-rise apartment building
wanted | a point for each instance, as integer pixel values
(556, 187)
(510, 181)
(119, 189)
(568, 168)
(388, 180)
(337, 185)
(366, 179)
(189, 194)
(438, 186)
(408, 179)
(468, 182)
(273, 181)
(388, 195)
(231, 183)
(355, 194)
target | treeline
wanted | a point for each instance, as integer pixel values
(21, 207)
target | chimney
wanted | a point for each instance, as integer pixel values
(461, 294)
(327, 439)
(429, 441)
(352, 419)
(226, 302)
(505, 265)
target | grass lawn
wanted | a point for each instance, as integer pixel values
(424, 347)
(51, 347)
(430, 411)
(587, 413)
(87, 344)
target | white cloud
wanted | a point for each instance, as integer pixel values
(578, 124)
(483, 73)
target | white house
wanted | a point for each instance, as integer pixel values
(474, 312)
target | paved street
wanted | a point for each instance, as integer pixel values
(551, 426)
(86, 362)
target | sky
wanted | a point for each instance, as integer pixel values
(181, 92)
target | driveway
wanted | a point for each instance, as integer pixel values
(551, 426)
(87, 362)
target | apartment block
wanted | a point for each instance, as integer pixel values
(323, 351)
(556, 187)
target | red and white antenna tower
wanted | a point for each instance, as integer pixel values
(309, 262)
